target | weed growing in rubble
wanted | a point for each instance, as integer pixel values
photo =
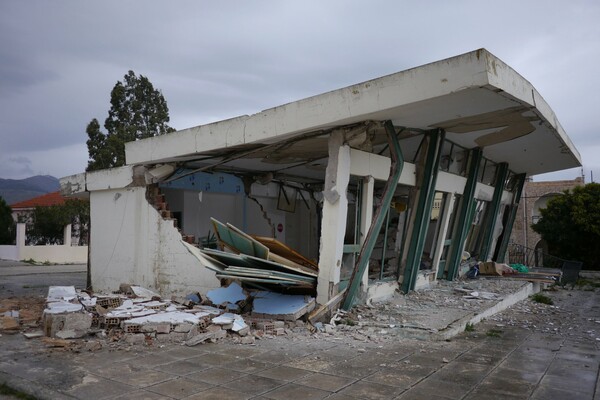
(541, 298)
(585, 283)
(493, 333)
(469, 327)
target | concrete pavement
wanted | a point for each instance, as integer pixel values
(530, 351)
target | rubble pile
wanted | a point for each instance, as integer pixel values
(135, 315)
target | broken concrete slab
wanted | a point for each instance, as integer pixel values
(57, 293)
(142, 292)
(59, 307)
(281, 306)
(226, 295)
(75, 324)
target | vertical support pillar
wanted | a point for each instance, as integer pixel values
(488, 238)
(388, 194)
(335, 210)
(422, 215)
(67, 235)
(21, 231)
(465, 214)
(366, 217)
(443, 231)
(511, 217)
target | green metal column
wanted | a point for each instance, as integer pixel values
(388, 194)
(465, 215)
(511, 218)
(423, 208)
(501, 175)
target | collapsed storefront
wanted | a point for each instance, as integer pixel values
(383, 184)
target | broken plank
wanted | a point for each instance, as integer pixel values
(260, 263)
(260, 280)
(227, 258)
(205, 259)
(229, 272)
(326, 308)
(238, 241)
(283, 250)
(308, 279)
(260, 250)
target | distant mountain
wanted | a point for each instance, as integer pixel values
(15, 190)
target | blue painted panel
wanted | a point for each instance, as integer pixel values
(204, 182)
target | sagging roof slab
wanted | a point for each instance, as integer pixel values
(478, 99)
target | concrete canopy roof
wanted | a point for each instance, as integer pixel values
(478, 99)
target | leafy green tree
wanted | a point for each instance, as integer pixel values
(7, 224)
(570, 224)
(137, 111)
(47, 223)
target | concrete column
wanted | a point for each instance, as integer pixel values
(366, 218)
(67, 235)
(21, 229)
(335, 210)
(443, 231)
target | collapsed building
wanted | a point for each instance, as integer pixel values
(384, 185)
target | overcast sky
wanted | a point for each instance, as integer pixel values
(214, 60)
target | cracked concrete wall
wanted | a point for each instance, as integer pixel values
(131, 243)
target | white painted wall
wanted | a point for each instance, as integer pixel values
(56, 254)
(131, 243)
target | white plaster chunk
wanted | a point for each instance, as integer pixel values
(59, 307)
(225, 319)
(61, 293)
(175, 317)
(230, 294)
(139, 291)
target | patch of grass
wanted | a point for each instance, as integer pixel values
(541, 298)
(588, 282)
(348, 322)
(30, 261)
(47, 262)
(469, 327)
(8, 391)
(494, 333)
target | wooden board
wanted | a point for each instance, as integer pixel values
(282, 260)
(206, 260)
(277, 274)
(261, 280)
(285, 251)
(238, 241)
(227, 258)
(260, 263)
(236, 274)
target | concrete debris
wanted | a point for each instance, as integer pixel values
(8, 323)
(229, 295)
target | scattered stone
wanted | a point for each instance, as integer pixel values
(93, 345)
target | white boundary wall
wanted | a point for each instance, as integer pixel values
(56, 254)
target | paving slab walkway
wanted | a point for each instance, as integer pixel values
(505, 357)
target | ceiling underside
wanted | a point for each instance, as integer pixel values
(506, 129)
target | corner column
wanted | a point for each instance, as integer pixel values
(335, 211)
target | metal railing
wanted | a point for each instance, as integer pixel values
(518, 254)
